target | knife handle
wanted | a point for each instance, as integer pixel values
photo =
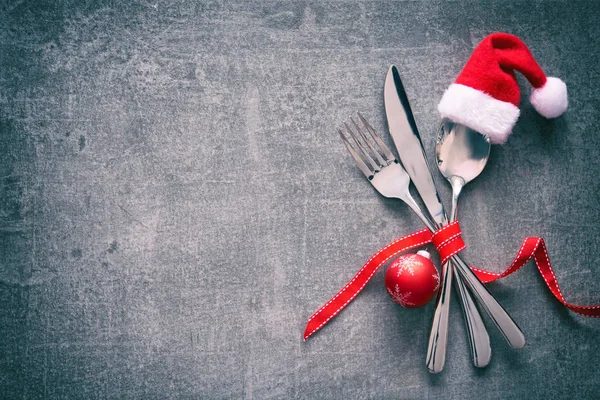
(479, 339)
(509, 329)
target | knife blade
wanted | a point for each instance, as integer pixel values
(407, 140)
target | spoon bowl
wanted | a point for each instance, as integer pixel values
(461, 151)
(462, 154)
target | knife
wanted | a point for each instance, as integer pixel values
(407, 140)
(403, 128)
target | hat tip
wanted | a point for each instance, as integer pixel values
(550, 100)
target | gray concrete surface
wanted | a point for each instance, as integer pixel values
(174, 201)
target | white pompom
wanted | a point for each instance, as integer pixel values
(551, 99)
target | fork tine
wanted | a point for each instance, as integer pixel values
(381, 161)
(361, 165)
(362, 149)
(386, 151)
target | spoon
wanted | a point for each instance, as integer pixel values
(462, 154)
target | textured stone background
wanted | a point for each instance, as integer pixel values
(174, 201)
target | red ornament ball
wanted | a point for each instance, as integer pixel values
(412, 280)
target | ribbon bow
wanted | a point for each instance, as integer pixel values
(448, 242)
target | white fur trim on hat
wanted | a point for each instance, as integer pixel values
(479, 111)
(551, 99)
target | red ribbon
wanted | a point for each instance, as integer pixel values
(447, 241)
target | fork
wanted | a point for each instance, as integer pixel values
(385, 173)
(391, 180)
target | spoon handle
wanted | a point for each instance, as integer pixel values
(438, 337)
(509, 329)
(479, 339)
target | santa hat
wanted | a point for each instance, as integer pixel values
(485, 96)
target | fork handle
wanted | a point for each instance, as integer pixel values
(509, 329)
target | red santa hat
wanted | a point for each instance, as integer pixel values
(485, 96)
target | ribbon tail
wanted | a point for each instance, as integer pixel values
(349, 292)
(535, 247)
(542, 261)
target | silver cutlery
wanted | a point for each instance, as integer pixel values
(406, 138)
(387, 175)
(462, 154)
(405, 135)
(379, 165)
